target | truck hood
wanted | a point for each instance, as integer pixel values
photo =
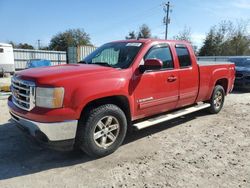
(62, 71)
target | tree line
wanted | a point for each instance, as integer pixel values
(227, 39)
(224, 39)
(61, 41)
(76, 37)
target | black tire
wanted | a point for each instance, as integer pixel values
(90, 122)
(217, 103)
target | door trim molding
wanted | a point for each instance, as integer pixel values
(156, 102)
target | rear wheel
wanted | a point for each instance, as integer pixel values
(102, 130)
(217, 99)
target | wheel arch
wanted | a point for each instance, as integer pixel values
(119, 100)
(222, 82)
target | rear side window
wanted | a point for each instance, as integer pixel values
(1, 50)
(183, 56)
(163, 54)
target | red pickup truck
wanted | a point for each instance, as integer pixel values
(121, 85)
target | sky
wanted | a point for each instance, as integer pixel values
(26, 21)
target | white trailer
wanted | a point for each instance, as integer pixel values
(6, 58)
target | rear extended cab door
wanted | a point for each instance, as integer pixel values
(188, 74)
(156, 91)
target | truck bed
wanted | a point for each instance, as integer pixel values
(205, 63)
(209, 72)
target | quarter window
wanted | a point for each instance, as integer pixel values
(163, 54)
(183, 56)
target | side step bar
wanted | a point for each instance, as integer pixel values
(169, 116)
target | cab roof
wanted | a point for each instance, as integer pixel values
(153, 40)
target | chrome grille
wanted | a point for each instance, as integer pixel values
(23, 93)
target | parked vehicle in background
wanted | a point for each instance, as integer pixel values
(237, 60)
(6, 59)
(121, 85)
(242, 80)
(36, 63)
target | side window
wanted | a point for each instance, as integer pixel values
(162, 53)
(183, 56)
(1, 50)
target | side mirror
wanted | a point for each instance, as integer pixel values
(151, 64)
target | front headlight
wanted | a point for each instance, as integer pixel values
(49, 97)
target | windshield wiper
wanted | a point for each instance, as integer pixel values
(102, 64)
(97, 63)
(83, 62)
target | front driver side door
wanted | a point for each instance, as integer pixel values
(156, 91)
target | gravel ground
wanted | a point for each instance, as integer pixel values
(197, 150)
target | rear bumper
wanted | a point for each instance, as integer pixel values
(58, 135)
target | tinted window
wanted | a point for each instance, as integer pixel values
(1, 50)
(162, 53)
(183, 56)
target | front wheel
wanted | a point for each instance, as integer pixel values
(217, 99)
(102, 130)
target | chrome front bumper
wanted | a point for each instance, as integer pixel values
(57, 131)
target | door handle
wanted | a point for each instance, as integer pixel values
(172, 78)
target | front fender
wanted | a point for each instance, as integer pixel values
(97, 89)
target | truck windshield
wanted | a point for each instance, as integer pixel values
(116, 54)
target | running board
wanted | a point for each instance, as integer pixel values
(169, 116)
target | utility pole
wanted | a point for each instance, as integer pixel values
(39, 44)
(167, 20)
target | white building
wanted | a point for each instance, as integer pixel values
(6, 58)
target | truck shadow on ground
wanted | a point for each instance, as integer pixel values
(240, 91)
(19, 156)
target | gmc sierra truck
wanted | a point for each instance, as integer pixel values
(121, 85)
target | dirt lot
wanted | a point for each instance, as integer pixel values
(198, 150)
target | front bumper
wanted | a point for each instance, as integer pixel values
(58, 135)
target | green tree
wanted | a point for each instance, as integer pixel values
(185, 35)
(21, 45)
(238, 43)
(209, 46)
(144, 32)
(226, 39)
(131, 35)
(44, 48)
(24, 46)
(71, 37)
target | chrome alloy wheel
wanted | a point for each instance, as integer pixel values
(106, 131)
(218, 99)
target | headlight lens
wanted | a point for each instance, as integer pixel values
(49, 97)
